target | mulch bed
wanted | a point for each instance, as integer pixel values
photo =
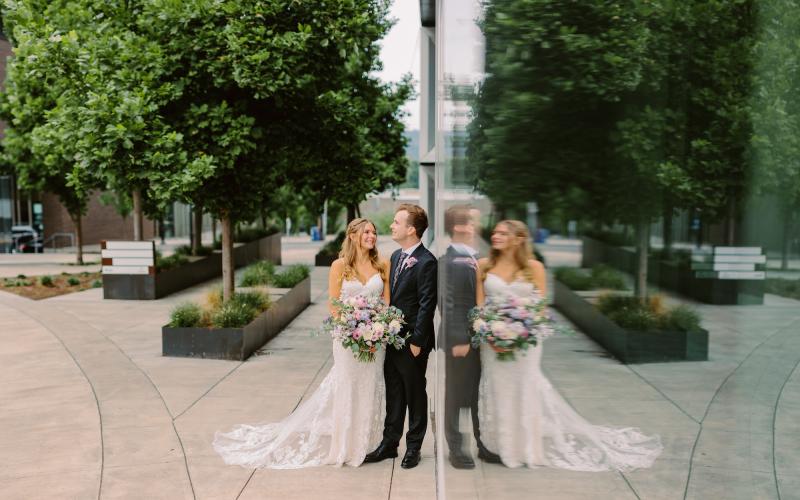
(31, 286)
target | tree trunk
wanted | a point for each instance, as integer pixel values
(197, 233)
(642, 247)
(138, 225)
(213, 229)
(227, 257)
(667, 227)
(785, 247)
(730, 226)
(351, 213)
(77, 220)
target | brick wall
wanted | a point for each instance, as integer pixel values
(100, 223)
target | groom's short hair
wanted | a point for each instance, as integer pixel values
(416, 217)
(457, 215)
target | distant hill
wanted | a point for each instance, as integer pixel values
(412, 149)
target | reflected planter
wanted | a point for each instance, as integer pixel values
(629, 346)
(324, 260)
(237, 343)
(161, 284)
(675, 277)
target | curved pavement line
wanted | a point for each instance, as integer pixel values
(782, 330)
(153, 385)
(774, 418)
(88, 381)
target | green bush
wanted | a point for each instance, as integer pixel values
(173, 261)
(185, 315)
(256, 301)
(248, 234)
(332, 247)
(21, 276)
(259, 273)
(97, 284)
(574, 278)
(783, 287)
(232, 314)
(383, 222)
(186, 250)
(291, 277)
(46, 280)
(73, 281)
(9, 283)
(631, 313)
(604, 276)
(681, 318)
(614, 238)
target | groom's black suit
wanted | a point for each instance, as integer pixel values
(414, 293)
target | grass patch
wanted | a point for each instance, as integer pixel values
(259, 273)
(291, 276)
(43, 287)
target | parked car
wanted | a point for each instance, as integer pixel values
(26, 239)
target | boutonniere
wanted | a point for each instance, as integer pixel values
(466, 260)
(410, 262)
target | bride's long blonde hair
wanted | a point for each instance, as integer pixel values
(349, 250)
(523, 253)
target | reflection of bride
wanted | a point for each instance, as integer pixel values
(523, 417)
(343, 419)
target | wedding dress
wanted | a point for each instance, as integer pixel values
(339, 424)
(526, 421)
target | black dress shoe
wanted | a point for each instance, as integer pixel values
(488, 456)
(410, 460)
(382, 452)
(461, 461)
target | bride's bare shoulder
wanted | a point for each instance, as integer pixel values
(337, 266)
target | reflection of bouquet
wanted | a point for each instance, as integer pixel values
(510, 323)
(365, 323)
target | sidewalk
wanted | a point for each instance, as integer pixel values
(92, 410)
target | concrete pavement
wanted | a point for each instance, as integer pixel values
(90, 408)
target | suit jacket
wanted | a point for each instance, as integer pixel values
(458, 276)
(414, 293)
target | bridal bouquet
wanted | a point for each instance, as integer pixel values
(510, 323)
(365, 324)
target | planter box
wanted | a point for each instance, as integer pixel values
(155, 286)
(629, 346)
(322, 260)
(671, 276)
(237, 343)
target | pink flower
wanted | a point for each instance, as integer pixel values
(410, 262)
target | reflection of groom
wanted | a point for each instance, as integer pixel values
(412, 282)
(459, 268)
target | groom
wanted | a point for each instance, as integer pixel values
(412, 282)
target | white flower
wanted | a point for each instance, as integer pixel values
(394, 326)
(55, 37)
(501, 330)
(479, 325)
(377, 330)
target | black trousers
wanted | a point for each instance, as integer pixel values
(462, 377)
(405, 389)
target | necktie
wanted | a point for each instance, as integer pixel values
(399, 268)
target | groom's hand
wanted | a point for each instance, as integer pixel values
(415, 350)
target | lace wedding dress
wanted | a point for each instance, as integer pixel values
(339, 424)
(526, 421)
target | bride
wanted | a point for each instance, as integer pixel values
(523, 418)
(343, 419)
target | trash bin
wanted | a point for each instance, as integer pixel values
(315, 234)
(541, 235)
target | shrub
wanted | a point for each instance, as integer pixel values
(248, 234)
(185, 315)
(21, 276)
(574, 278)
(332, 247)
(46, 280)
(630, 312)
(682, 318)
(291, 277)
(604, 276)
(73, 281)
(783, 287)
(259, 273)
(186, 250)
(84, 274)
(97, 284)
(257, 301)
(174, 260)
(232, 314)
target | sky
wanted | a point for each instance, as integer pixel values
(400, 52)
